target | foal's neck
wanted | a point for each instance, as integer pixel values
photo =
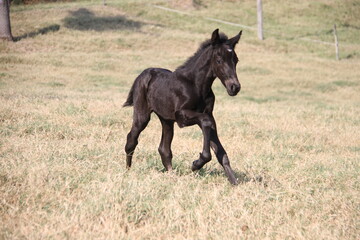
(200, 72)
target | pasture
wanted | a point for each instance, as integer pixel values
(292, 134)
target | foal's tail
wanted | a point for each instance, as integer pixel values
(130, 99)
(138, 88)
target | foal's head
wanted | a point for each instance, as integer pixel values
(224, 61)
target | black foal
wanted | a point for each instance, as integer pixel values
(185, 97)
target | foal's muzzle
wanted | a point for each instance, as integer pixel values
(232, 86)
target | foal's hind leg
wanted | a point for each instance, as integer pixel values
(139, 124)
(165, 144)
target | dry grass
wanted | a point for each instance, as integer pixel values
(292, 134)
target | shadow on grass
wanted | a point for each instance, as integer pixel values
(85, 20)
(182, 169)
(241, 176)
(42, 31)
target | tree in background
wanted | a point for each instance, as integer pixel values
(5, 27)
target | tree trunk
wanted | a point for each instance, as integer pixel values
(5, 28)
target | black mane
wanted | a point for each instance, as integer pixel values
(203, 46)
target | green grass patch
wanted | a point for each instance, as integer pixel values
(264, 99)
(255, 70)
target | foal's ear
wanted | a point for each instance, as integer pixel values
(233, 41)
(215, 38)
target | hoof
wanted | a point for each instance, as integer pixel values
(230, 175)
(195, 166)
(233, 181)
(168, 168)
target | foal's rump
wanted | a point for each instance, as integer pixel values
(139, 89)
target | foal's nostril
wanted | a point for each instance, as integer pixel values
(233, 88)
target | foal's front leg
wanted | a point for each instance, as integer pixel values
(206, 123)
(221, 156)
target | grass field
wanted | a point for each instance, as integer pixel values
(292, 133)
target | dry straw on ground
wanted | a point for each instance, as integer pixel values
(292, 134)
